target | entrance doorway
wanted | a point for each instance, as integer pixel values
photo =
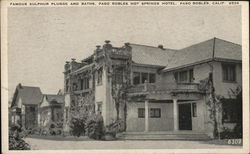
(185, 119)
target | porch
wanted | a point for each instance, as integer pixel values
(175, 107)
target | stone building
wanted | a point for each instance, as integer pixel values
(156, 88)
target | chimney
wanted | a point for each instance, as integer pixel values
(127, 44)
(107, 41)
(161, 46)
(98, 47)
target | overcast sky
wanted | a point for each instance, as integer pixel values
(40, 40)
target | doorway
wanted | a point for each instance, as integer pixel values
(185, 119)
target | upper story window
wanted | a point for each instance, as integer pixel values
(84, 83)
(141, 77)
(229, 72)
(185, 76)
(99, 76)
(136, 78)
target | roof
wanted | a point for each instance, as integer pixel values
(28, 95)
(148, 55)
(215, 48)
(53, 98)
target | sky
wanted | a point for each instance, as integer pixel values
(40, 40)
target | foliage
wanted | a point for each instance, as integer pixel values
(114, 128)
(231, 134)
(15, 139)
(77, 126)
(95, 127)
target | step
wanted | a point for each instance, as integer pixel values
(168, 136)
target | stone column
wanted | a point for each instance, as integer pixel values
(175, 113)
(146, 116)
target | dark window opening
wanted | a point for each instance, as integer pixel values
(99, 76)
(152, 78)
(229, 72)
(141, 113)
(136, 78)
(144, 77)
(155, 112)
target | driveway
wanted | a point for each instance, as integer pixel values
(45, 144)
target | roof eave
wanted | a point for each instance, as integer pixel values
(148, 65)
(188, 65)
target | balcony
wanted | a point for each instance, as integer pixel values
(163, 88)
(114, 52)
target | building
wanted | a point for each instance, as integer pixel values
(30, 108)
(50, 110)
(155, 88)
(24, 106)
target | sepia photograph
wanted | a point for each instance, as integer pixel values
(127, 75)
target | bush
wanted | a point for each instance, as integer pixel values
(232, 134)
(77, 126)
(15, 139)
(95, 127)
(114, 128)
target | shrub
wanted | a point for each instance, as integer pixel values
(95, 127)
(15, 139)
(114, 128)
(232, 134)
(77, 126)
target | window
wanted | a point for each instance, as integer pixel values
(186, 76)
(152, 78)
(229, 72)
(141, 113)
(139, 78)
(67, 85)
(81, 83)
(85, 83)
(144, 77)
(99, 107)
(155, 112)
(194, 109)
(136, 78)
(99, 76)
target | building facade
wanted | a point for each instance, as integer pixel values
(155, 88)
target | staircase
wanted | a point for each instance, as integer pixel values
(166, 135)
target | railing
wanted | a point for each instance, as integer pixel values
(158, 87)
(114, 52)
(120, 51)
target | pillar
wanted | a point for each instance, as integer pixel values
(175, 113)
(146, 116)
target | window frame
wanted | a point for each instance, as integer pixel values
(99, 76)
(153, 113)
(226, 66)
(141, 112)
(189, 77)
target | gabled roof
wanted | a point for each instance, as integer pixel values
(148, 55)
(29, 95)
(55, 98)
(213, 49)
